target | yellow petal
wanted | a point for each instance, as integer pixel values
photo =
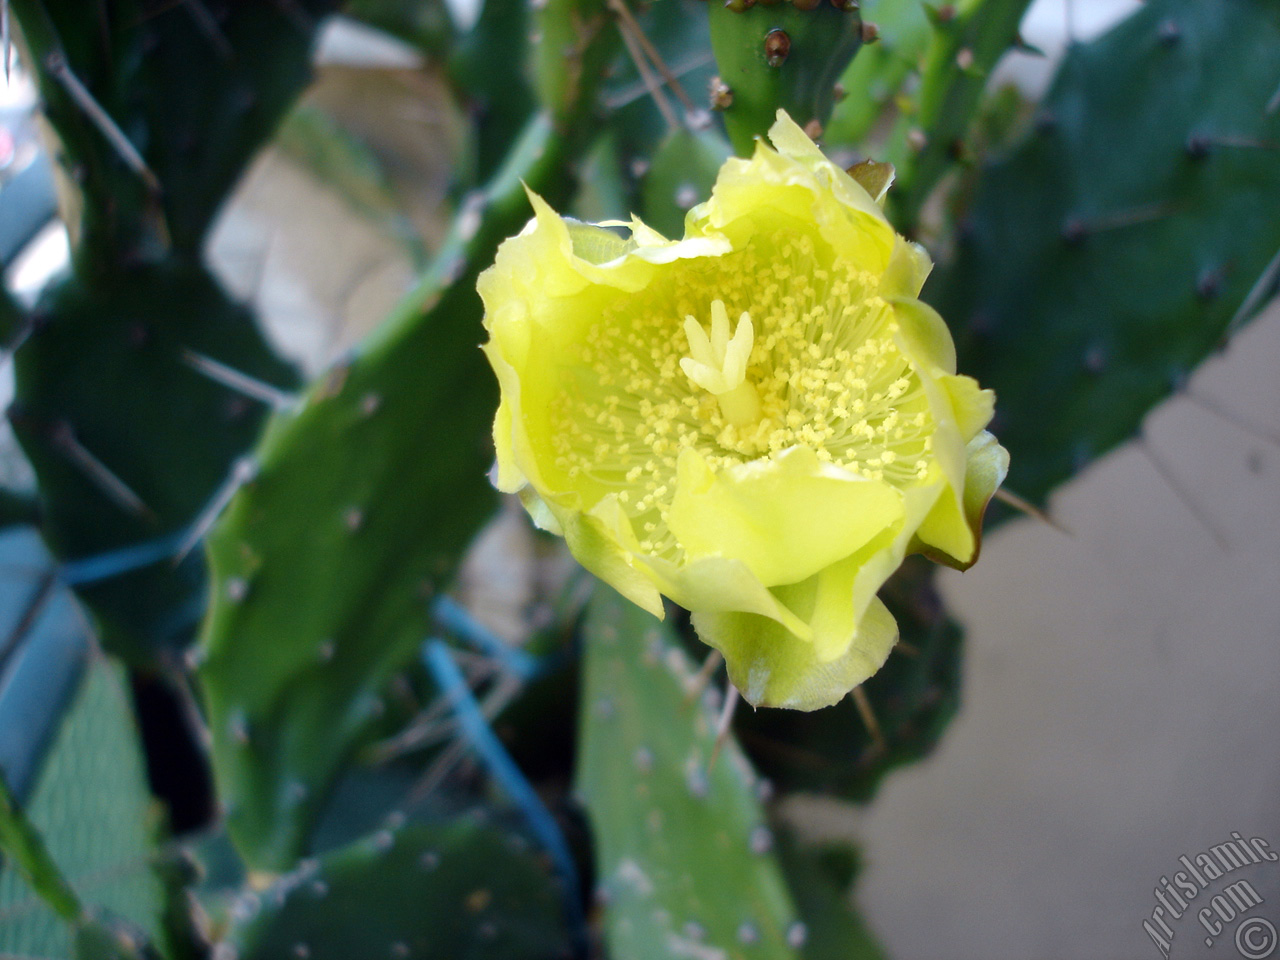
(952, 532)
(602, 541)
(786, 518)
(621, 413)
(924, 339)
(506, 436)
(774, 668)
(879, 559)
(720, 584)
(909, 267)
(539, 512)
(972, 406)
(793, 143)
(925, 336)
(795, 187)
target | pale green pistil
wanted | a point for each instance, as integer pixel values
(718, 364)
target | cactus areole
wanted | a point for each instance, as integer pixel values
(758, 421)
(774, 56)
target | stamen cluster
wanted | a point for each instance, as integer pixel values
(813, 351)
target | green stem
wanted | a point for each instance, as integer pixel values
(964, 51)
(780, 57)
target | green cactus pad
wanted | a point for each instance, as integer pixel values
(91, 807)
(157, 111)
(194, 89)
(364, 499)
(1111, 251)
(488, 70)
(780, 56)
(681, 174)
(965, 46)
(455, 891)
(881, 69)
(683, 852)
(573, 43)
(105, 373)
(821, 876)
(365, 496)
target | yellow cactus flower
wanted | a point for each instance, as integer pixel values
(758, 421)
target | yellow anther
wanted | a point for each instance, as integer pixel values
(803, 360)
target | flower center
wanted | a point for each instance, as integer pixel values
(811, 361)
(718, 364)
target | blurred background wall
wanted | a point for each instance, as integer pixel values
(1119, 696)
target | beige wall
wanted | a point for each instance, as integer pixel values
(1121, 699)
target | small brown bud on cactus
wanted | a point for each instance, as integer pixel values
(777, 46)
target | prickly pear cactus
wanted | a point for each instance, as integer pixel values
(898, 34)
(680, 175)
(489, 66)
(156, 114)
(78, 848)
(573, 44)
(184, 477)
(384, 530)
(120, 462)
(1105, 291)
(477, 892)
(967, 41)
(683, 850)
(157, 111)
(784, 55)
